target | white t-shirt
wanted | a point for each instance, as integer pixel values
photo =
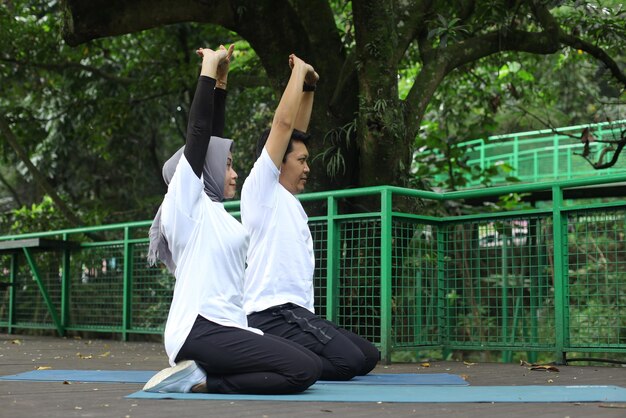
(209, 248)
(280, 256)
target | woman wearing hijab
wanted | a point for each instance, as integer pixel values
(207, 338)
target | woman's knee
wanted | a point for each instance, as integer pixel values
(309, 372)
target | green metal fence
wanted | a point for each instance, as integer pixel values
(544, 155)
(549, 280)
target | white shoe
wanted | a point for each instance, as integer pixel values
(180, 378)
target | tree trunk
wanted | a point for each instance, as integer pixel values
(382, 135)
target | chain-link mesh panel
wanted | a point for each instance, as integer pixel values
(359, 307)
(30, 306)
(414, 284)
(597, 278)
(498, 283)
(476, 282)
(151, 294)
(5, 292)
(320, 276)
(97, 287)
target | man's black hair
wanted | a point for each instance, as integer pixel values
(296, 135)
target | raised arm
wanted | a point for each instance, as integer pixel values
(219, 107)
(286, 113)
(200, 124)
(306, 106)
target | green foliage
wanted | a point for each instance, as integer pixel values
(36, 217)
(512, 91)
(447, 29)
(100, 119)
(332, 156)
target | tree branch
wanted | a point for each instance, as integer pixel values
(88, 20)
(12, 191)
(548, 21)
(41, 180)
(473, 49)
(599, 165)
(73, 66)
(413, 18)
(596, 52)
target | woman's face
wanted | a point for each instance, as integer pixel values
(230, 179)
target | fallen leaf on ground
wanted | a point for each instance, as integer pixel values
(467, 363)
(613, 405)
(535, 366)
(43, 368)
(546, 368)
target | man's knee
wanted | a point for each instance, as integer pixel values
(347, 361)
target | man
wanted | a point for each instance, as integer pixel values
(278, 291)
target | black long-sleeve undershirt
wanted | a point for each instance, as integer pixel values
(219, 112)
(206, 118)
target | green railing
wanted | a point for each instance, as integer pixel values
(535, 281)
(545, 155)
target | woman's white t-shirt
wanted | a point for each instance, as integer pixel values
(209, 248)
(281, 261)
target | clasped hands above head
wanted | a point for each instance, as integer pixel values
(311, 76)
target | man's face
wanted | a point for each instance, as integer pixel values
(295, 170)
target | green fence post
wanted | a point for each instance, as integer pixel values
(385, 274)
(12, 293)
(555, 157)
(515, 164)
(482, 155)
(537, 274)
(560, 253)
(127, 287)
(443, 319)
(332, 260)
(65, 286)
(506, 355)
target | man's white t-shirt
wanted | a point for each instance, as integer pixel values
(209, 248)
(280, 256)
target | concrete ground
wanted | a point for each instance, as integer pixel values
(20, 353)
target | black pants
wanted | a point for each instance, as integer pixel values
(343, 353)
(240, 361)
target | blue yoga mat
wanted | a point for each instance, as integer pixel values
(142, 376)
(342, 392)
(99, 376)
